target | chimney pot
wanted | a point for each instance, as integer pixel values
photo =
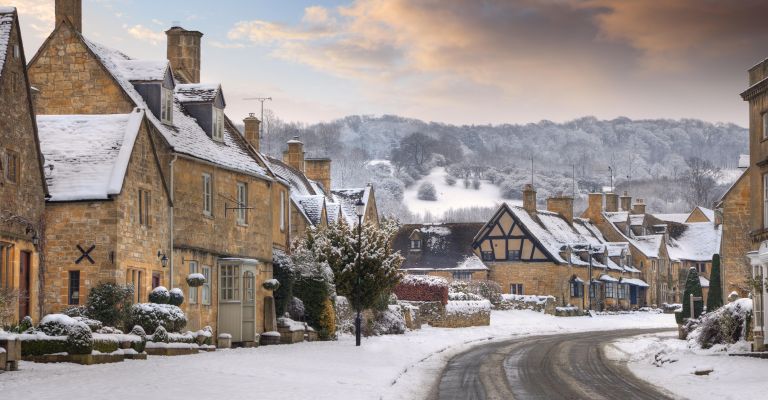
(295, 154)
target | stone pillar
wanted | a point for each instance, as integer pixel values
(611, 202)
(270, 320)
(529, 198)
(295, 154)
(562, 205)
(183, 52)
(252, 131)
(626, 202)
(70, 10)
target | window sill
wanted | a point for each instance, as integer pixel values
(208, 216)
(242, 225)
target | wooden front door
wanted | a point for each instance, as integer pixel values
(24, 283)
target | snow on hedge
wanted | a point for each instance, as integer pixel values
(434, 281)
(467, 307)
(527, 298)
(725, 326)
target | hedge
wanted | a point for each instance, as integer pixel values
(422, 288)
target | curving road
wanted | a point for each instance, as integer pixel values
(565, 366)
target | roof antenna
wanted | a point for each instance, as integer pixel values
(531, 171)
(573, 180)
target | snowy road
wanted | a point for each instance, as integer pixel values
(570, 366)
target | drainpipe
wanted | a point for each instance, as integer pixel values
(170, 224)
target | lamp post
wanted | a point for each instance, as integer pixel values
(359, 210)
(591, 289)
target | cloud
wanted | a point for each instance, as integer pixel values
(143, 33)
(221, 45)
(41, 12)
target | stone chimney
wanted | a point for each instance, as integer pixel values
(594, 206)
(626, 202)
(638, 207)
(252, 131)
(184, 52)
(611, 202)
(71, 10)
(562, 205)
(294, 156)
(319, 169)
(529, 198)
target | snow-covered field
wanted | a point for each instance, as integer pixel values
(456, 196)
(731, 377)
(390, 367)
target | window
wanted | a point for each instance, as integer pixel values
(242, 203)
(513, 255)
(462, 275)
(516, 288)
(207, 286)
(610, 288)
(701, 268)
(623, 291)
(282, 210)
(577, 288)
(193, 290)
(487, 255)
(415, 244)
(155, 279)
(207, 195)
(250, 291)
(14, 82)
(166, 105)
(16, 51)
(137, 280)
(218, 124)
(593, 288)
(765, 125)
(12, 166)
(73, 297)
(145, 202)
(230, 283)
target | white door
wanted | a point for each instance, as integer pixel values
(230, 301)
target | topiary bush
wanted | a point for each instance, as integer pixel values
(149, 316)
(139, 331)
(195, 280)
(160, 335)
(74, 311)
(715, 294)
(109, 303)
(40, 345)
(326, 324)
(159, 295)
(25, 324)
(105, 345)
(56, 324)
(92, 324)
(79, 339)
(692, 288)
(271, 284)
(176, 297)
(296, 309)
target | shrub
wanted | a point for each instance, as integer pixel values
(296, 309)
(92, 324)
(450, 180)
(326, 323)
(8, 306)
(726, 325)
(105, 345)
(56, 324)
(80, 339)
(313, 293)
(271, 284)
(715, 294)
(476, 290)
(195, 280)
(25, 324)
(159, 295)
(39, 345)
(149, 316)
(389, 321)
(692, 288)
(139, 331)
(427, 192)
(422, 288)
(282, 270)
(109, 303)
(74, 311)
(176, 297)
(160, 335)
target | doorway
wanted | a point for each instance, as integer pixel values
(237, 298)
(24, 283)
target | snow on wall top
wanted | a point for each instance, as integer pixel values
(6, 24)
(197, 92)
(699, 242)
(89, 153)
(142, 70)
(186, 136)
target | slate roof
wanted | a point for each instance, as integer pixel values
(312, 207)
(699, 242)
(444, 246)
(6, 24)
(197, 92)
(347, 198)
(89, 153)
(143, 70)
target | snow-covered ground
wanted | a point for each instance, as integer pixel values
(389, 367)
(667, 362)
(456, 196)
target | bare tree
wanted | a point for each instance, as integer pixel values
(701, 180)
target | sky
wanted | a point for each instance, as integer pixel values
(453, 61)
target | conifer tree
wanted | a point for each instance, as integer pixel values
(692, 288)
(715, 295)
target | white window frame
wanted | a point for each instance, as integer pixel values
(462, 276)
(217, 131)
(193, 290)
(516, 288)
(242, 203)
(764, 117)
(229, 289)
(166, 105)
(206, 292)
(415, 244)
(282, 211)
(207, 194)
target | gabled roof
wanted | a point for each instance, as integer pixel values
(347, 198)
(676, 218)
(744, 174)
(143, 70)
(89, 154)
(708, 213)
(699, 242)
(312, 207)
(443, 246)
(649, 245)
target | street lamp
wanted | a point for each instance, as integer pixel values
(359, 210)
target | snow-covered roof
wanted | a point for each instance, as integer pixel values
(471, 263)
(699, 242)
(636, 219)
(709, 213)
(744, 161)
(704, 281)
(608, 278)
(197, 92)
(649, 245)
(312, 206)
(333, 210)
(143, 70)
(677, 218)
(347, 198)
(443, 246)
(89, 153)
(616, 217)
(298, 182)
(6, 24)
(185, 135)
(634, 281)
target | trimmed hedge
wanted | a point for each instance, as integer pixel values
(149, 316)
(105, 346)
(422, 288)
(39, 345)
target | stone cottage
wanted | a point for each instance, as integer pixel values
(22, 185)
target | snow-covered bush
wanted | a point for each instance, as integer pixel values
(427, 192)
(108, 330)
(422, 288)
(271, 284)
(74, 311)
(389, 321)
(56, 324)
(467, 307)
(475, 290)
(160, 335)
(345, 316)
(93, 325)
(79, 339)
(726, 325)
(159, 295)
(450, 180)
(458, 296)
(195, 280)
(283, 271)
(176, 297)
(150, 315)
(204, 336)
(25, 324)
(109, 303)
(296, 309)
(139, 331)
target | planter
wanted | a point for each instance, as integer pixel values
(224, 341)
(9, 359)
(269, 338)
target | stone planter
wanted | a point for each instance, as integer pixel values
(287, 336)
(224, 341)
(269, 338)
(310, 336)
(171, 351)
(12, 354)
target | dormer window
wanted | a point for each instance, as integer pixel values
(415, 244)
(166, 105)
(218, 124)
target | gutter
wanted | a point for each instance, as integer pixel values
(170, 227)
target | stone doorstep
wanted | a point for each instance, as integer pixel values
(82, 359)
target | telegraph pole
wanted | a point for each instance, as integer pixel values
(261, 125)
